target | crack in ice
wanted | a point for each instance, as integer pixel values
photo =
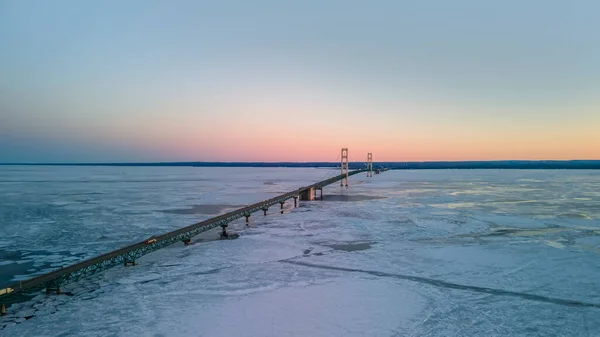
(445, 284)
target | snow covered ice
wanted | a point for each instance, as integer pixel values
(405, 253)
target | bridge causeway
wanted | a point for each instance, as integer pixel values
(53, 280)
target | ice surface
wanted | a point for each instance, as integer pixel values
(439, 253)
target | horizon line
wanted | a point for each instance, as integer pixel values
(296, 162)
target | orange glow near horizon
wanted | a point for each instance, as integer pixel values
(290, 136)
(290, 139)
(291, 130)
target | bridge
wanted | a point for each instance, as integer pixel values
(126, 256)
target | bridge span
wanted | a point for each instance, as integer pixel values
(53, 280)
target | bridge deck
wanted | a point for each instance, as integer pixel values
(56, 278)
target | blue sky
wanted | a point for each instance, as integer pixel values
(240, 80)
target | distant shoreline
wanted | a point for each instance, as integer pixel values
(503, 164)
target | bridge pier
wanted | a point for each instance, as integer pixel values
(186, 241)
(265, 210)
(295, 201)
(247, 219)
(2, 310)
(224, 234)
(308, 195)
(320, 189)
(281, 203)
(129, 262)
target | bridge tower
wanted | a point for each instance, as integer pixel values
(344, 165)
(370, 164)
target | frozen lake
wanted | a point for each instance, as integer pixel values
(404, 253)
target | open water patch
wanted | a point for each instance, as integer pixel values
(351, 246)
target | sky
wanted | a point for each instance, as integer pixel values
(268, 80)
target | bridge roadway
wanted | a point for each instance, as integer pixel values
(53, 280)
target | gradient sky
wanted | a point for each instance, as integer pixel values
(142, 80)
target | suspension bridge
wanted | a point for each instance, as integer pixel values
(127, 256)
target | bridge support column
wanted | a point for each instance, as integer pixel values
(224, 234)
(186, 241)
(265, 210)
(247, 219)
(316, 191)
(281, 203)
(129, 262)
(2, 310)
(308, 195)
(295, 201)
